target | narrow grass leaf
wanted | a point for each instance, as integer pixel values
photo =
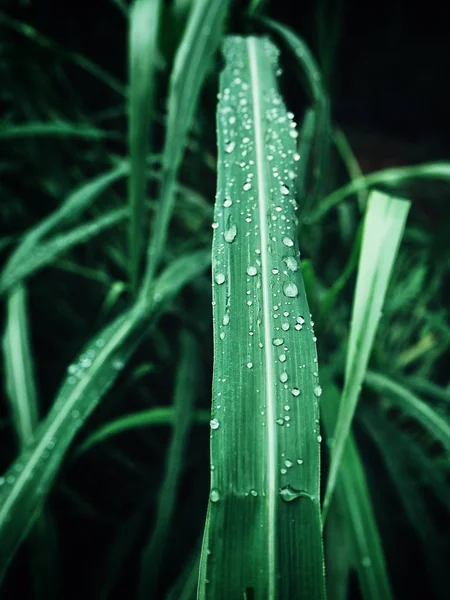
(383, 228)
(395, 457)
(45, 253)
(412, 405)
(28, 480)
(184, 396)
(163, 415)
(353, 500)
(56, 129)
(22, 395)
(192, 61)
(143, 40)
(394, 176)
(263, 530)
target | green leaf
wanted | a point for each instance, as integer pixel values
(394, 176)
(163, 415)
(57, 129)
(263, 530)
(143, 40)
(412, 405)
(192, 61)
(28, 480)
(45, 253)
(383, 228)
(184, 396)
(353, 500)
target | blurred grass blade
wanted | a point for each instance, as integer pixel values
(338, 556)
(263, 531)
(45, 253)
(395, 457)
(19, 372)
(75, 203)
(154, 551)
(22, 395)
(394, 176)
(310, 69)
(383, 228)
(413, 406)
(28, 480)
(353, 500)
(163, 415)
(192, 61)
(57, 129)
(423, 386)
(77, 59)
(143, 40)
(351, 163)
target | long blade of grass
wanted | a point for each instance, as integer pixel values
(263, 531)
(393, 176)
(45, 253)
(412, 405)
(383, 229)
(22, 395)
(57, 129)
(184, 397)
(164, 415)
(192, 61)
(395, 457)
(28, 480)
(143, 40)
(353, 499)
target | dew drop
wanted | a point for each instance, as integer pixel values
(226, 319)
(296, 156)
(282, 357)
(214, 495)
(229, 147)
(300, 320)
(319, 438)
(279, 421)
(288, 463)
(295, 392)
(299, 461)
(249, 365)
(284, 190)
(230, 234)
(288, 242)
(283, 377)
(291, 263)
(317, 391)
(288, 493)
(251, 271)
(214, 424)
(290, 290)
(277, 341)
(222, 335)
(247, 186)
(285, 326)
(254, 493)
(283, 471)
(227, 202)
(214, 224)
(220, 278)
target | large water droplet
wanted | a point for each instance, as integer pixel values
(291, 263)
(317, 391)
(290, 290)
(295, 392)
(229, 147)
(230, 234)
(214, 495)
(220, 278)
(214, 424)
(277, 341)
(288, 242)
(288, 493)
(284, 190)
(251, 271)
(283, 377)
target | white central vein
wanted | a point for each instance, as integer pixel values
(263, 205)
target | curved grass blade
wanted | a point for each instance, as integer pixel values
(45, 253)
(143, 40)
(395, 457)
(353, 500)
(75, 203)
(383, 228)
(413, 406)
(423, 386)
(163, 415)
(57, 129)
(28, 480)
(394, 176)
(263, 531)
(184, 397)
(81, 61)
(192, 61)
(22, 395)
